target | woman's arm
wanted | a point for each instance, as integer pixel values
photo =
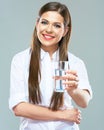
(36, 112)
(80, 96)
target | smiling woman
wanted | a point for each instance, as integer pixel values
(32, 95)
(50, 29)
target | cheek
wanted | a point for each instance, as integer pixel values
(60, 34)
(39, 28)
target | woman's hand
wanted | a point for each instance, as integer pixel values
(71, 80)
(80, 96)
(72, 115)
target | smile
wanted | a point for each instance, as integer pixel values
(48, 37)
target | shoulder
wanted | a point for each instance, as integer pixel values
(22, 54)
(75, 61)
(74, 58)
(21, 57)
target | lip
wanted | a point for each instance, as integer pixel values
(48, 37)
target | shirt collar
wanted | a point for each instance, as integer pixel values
(55, 55)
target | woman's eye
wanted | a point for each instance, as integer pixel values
(44, 22)
(57, 26)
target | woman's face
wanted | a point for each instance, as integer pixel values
(50, 29)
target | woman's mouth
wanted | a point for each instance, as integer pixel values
(48, 37)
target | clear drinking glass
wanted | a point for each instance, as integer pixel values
(60, 68)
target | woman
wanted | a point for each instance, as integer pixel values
(32, 95)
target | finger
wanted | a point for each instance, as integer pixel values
(58, 77)
(78, 121)
(71, 77)
(74, 72)
(71, 83)
(79, 117)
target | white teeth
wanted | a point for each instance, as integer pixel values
(48, 36)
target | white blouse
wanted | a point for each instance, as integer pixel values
(19, 87)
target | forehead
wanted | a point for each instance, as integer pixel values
(52, 16)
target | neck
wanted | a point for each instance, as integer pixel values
(50, 50)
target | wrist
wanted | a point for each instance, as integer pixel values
(61, 115)
(72, 92)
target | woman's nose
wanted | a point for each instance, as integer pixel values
(49, 29)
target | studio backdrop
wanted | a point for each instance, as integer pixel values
(17, 21)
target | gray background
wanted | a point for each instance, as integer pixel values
(17, 20)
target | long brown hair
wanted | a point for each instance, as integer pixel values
(34, 69)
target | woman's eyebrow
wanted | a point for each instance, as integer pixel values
(49, 21)
(43, 19)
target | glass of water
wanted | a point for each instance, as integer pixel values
(60, 68)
